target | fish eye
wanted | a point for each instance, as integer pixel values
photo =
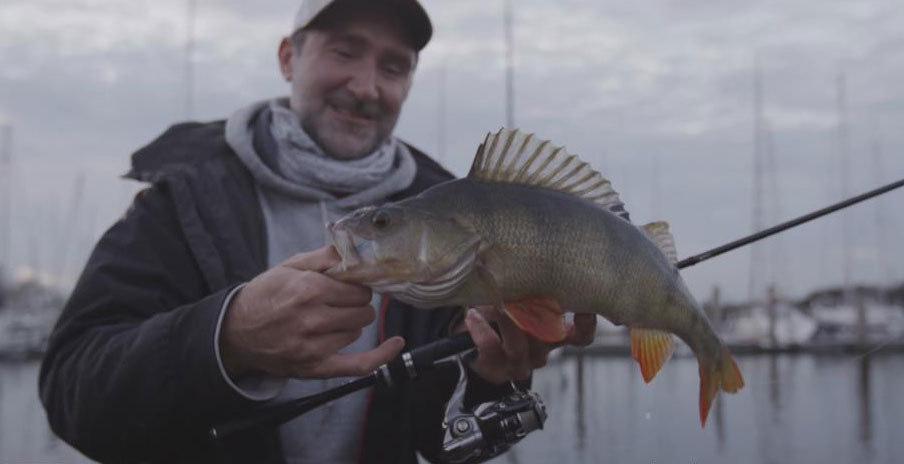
(380, 219)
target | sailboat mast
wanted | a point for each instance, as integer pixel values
(884, 267)
(756, 252)
(190, 60)
(509, 67)
(6, 191)
(845, 165)
(441, 113)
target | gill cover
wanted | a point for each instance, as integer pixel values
(416, 256)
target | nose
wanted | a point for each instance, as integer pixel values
(363, 83)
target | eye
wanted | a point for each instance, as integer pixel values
(396, 67)
(343, 51)
(392, 69)
(380, 219)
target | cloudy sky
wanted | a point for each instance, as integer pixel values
(658, 95)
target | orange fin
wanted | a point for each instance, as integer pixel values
(540, 316)
(723, 375)
(651, 349)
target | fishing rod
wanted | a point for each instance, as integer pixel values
(787, 225)
(405, 367)
(422, 359)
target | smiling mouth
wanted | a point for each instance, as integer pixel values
(353, 116)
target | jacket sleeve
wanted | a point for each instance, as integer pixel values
(131, 370)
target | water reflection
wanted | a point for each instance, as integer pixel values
(797, 408)
(579, 401)
(775, 392)
(512, 456)
(719, 412)
(801, 409)
(2, 412)
(24, 434)
(863, 391)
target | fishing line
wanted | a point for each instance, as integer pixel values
(878, 347)
(852, 359)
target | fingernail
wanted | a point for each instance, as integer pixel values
(472, 313)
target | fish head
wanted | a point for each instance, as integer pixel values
(388, 246)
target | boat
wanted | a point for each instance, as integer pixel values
(29, 311)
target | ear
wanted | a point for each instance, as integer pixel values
(285, 54)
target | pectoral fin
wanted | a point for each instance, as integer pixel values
(651, 349)
(540, 316)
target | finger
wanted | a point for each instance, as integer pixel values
(485, 338)
(538, 352)
(326, 319)
(582, 331)
(317, 260)
(358, 364)
(514, 343)
(513, 339)
(324, 289)
(326, 345)
(489, 312)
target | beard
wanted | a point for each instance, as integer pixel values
(347, 127)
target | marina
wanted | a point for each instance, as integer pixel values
(799, 408)
(714, 123)
(817, 391)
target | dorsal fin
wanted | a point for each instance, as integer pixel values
(516, 157)
(659, 233)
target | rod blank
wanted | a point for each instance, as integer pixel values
(787, 225)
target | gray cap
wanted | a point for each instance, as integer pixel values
(410, 12)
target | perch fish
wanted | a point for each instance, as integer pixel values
(535, 232)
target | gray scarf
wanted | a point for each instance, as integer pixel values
(303, 162)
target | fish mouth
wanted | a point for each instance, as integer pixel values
(355, 253)
(359, 263)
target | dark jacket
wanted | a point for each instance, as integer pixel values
(131, 374)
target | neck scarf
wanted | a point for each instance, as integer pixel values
(301, 160)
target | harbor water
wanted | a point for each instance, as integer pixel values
(795, 408)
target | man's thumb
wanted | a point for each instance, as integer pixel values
(317, 260)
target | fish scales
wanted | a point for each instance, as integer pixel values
(556, 244)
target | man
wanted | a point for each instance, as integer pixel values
(207, 299)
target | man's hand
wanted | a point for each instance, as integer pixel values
(292, 320)
(515, 354)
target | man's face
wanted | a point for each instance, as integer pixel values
(349, 82)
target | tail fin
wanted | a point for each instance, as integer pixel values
(721, 375)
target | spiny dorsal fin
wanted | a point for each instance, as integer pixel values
(659, 233)
(516, 157)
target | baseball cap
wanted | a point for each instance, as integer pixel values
(412, 14)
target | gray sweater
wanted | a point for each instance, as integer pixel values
(295, 216)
